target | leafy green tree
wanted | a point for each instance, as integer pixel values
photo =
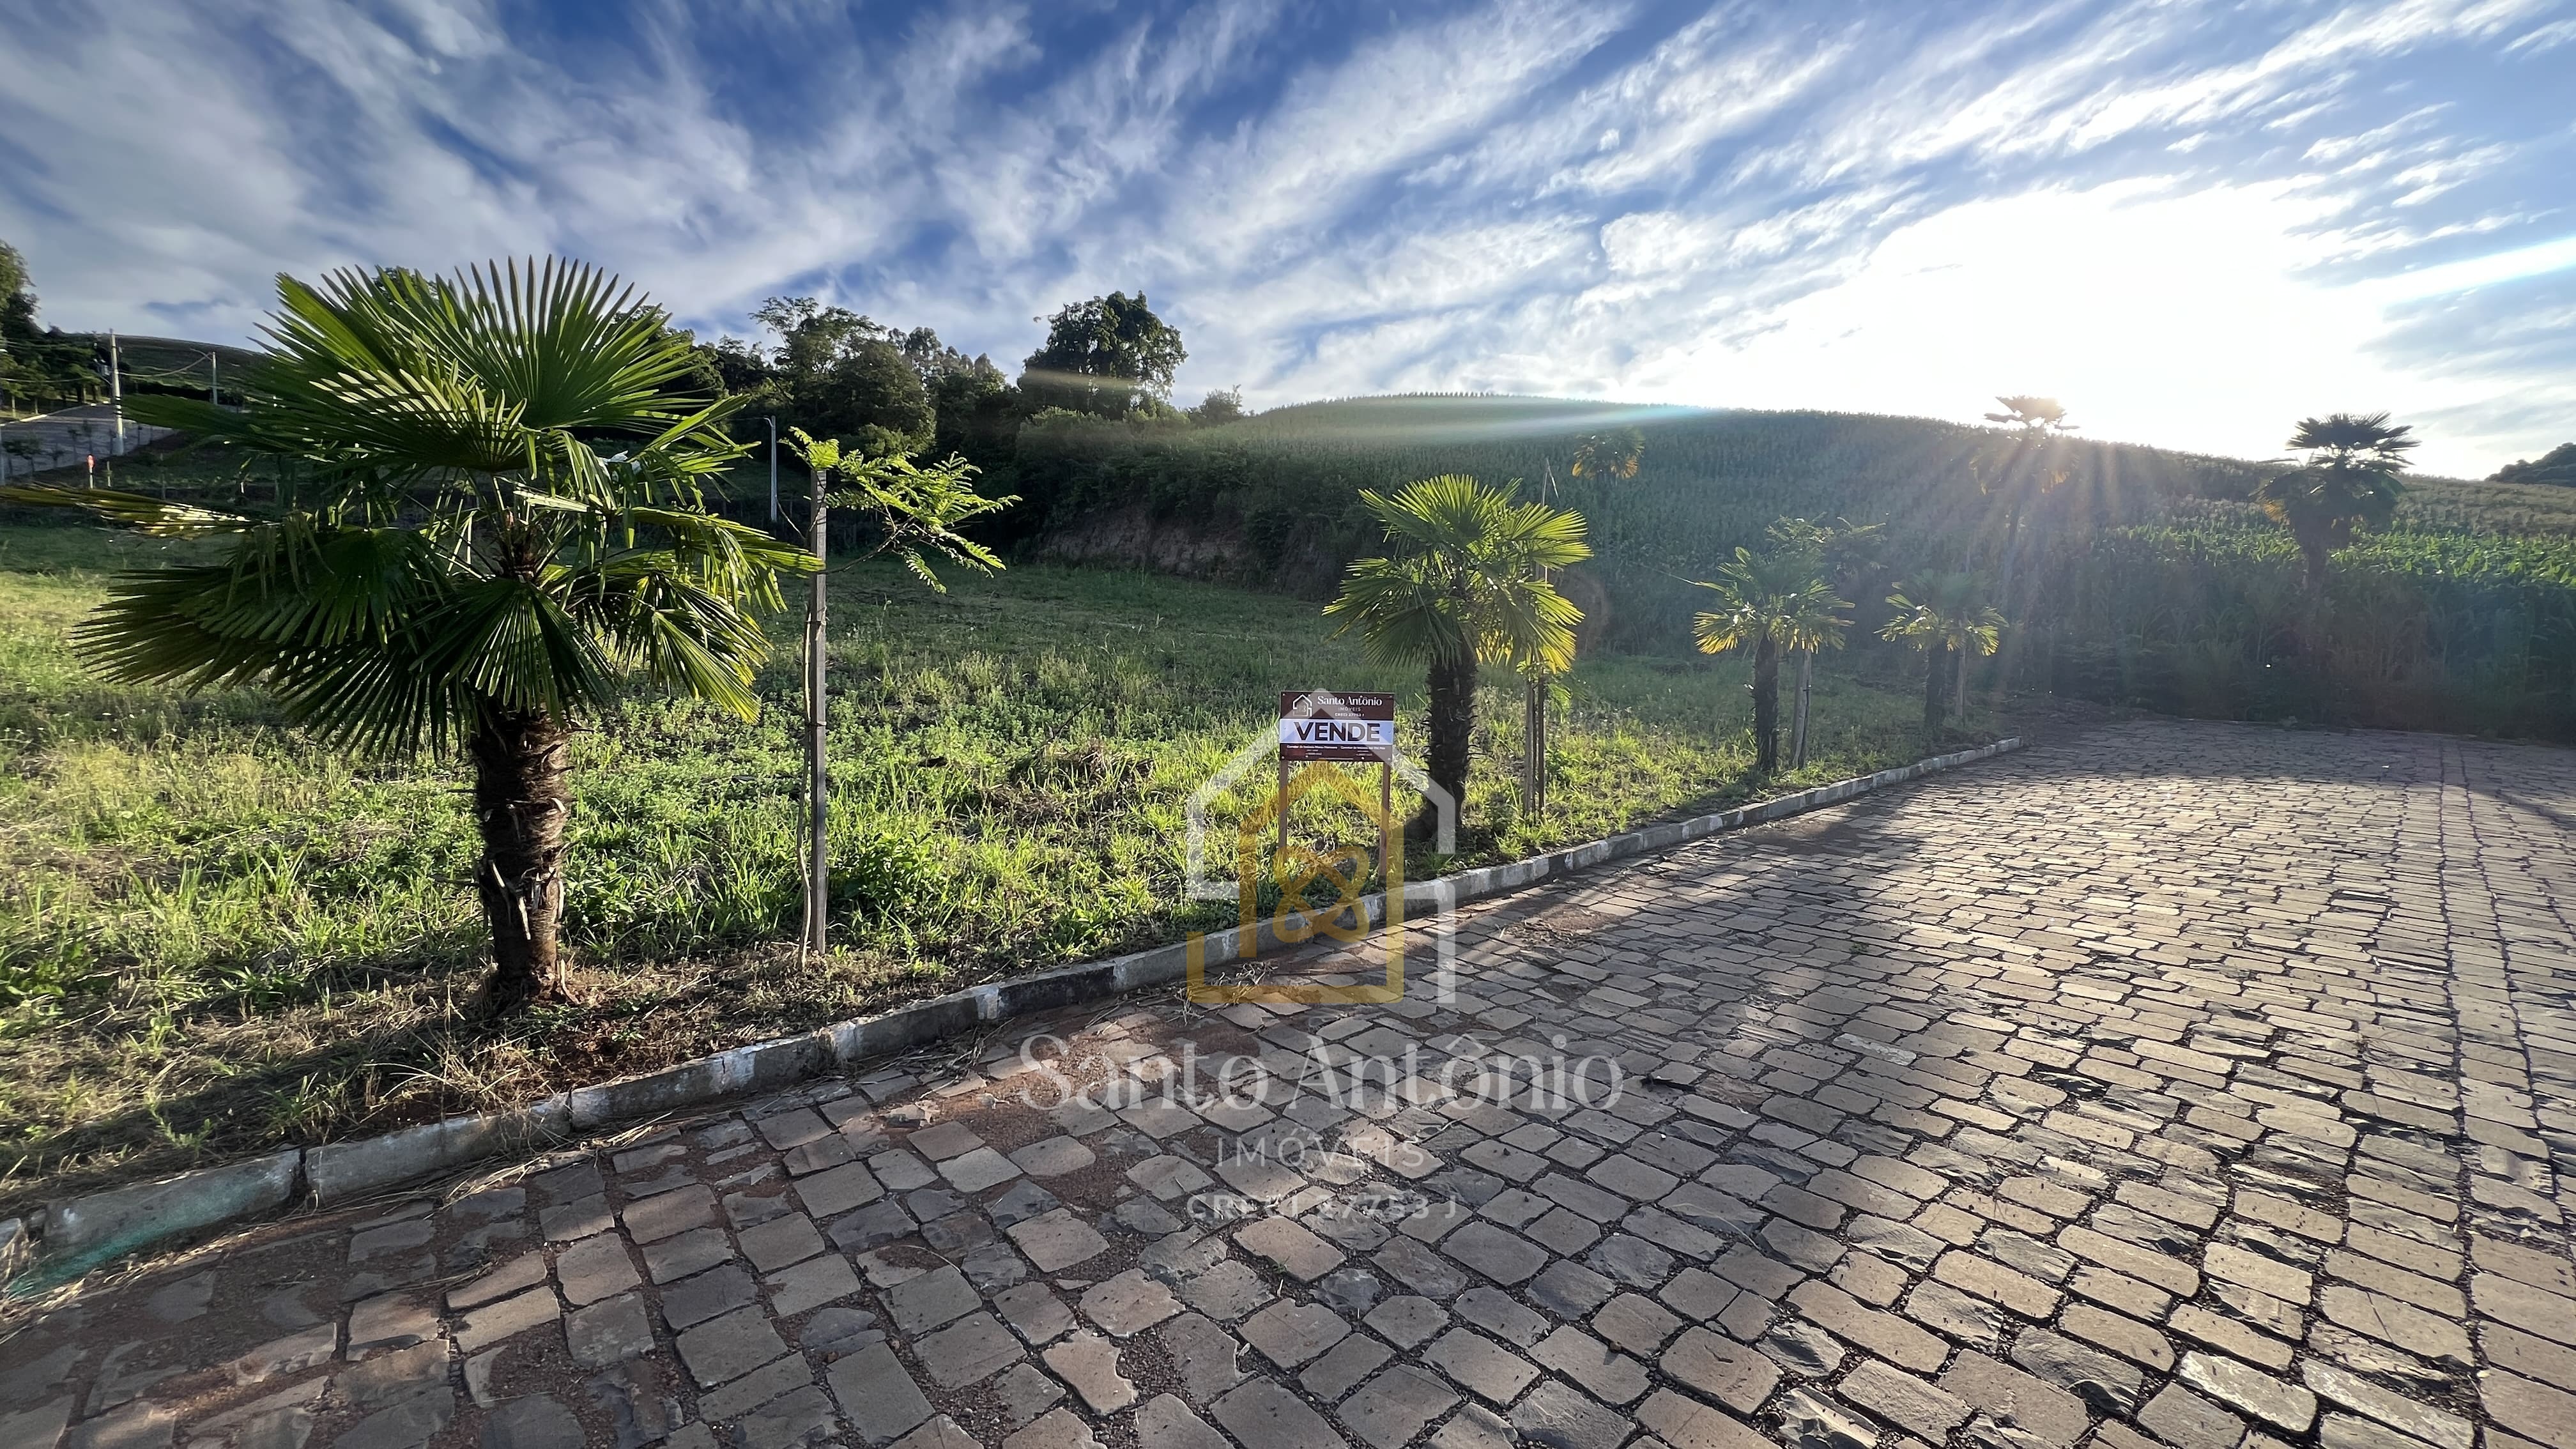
(2349, 479)
(1221, 406)
(1773, 602)
(979, 417)
(17, 298)
(741, 366)
(1104, 356)
(843, 376)
(2558, 465)
(496, 521)
(705, 375)
(1945, 612)
(1462, 586)
(873, 401)
(37, 366)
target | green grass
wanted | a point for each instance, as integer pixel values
(215, 934)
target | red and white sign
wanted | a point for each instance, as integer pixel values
(1324, 724)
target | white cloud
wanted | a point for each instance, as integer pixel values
(1250, 197)
(2196, 219)
(2188, 318)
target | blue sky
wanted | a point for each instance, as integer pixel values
(2194, 222)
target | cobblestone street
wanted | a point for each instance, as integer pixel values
(2171, 1084)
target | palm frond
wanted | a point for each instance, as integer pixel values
(158, 517)
(530, 410)
(1776, 596)
(1469, 578)
(1951, 612)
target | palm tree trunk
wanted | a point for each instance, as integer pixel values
(520, 805)
(1962, 691)
(1453, 723)
(1766, 704)
(1935, 707)
(2012, 635)
(2012, 550)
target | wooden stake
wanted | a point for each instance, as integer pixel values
(818, 885)
(1386, 824)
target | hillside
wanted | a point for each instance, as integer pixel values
(1706, 479)
(2144, 577)
(1273, 500)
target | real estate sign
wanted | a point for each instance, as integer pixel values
(1324, 724)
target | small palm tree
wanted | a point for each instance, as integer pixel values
(2349, 479)
(1948, 612)
(1614, 454)
(1849, 553)
(1774, 602)
(1463, 586)
(496, 520)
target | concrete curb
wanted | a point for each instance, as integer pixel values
(73, 1236)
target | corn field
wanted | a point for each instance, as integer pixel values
(2144, 576)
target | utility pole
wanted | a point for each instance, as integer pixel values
(773, 475)
(818, 885)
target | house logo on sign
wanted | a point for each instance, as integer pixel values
(1318, 732)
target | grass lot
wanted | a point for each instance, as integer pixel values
(214, 935)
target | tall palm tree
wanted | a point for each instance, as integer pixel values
(2348, 479)
(1948, 612)
(2020, 472)
(496, 520)
(1462, 586)
(1773, 601)
(1848, 553)
(1612, 454)
(2036, 415)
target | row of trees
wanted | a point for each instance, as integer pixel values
(39, 367)
(880, 391)
(1468, 580)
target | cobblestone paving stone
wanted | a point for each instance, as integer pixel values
(2181, 1085)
